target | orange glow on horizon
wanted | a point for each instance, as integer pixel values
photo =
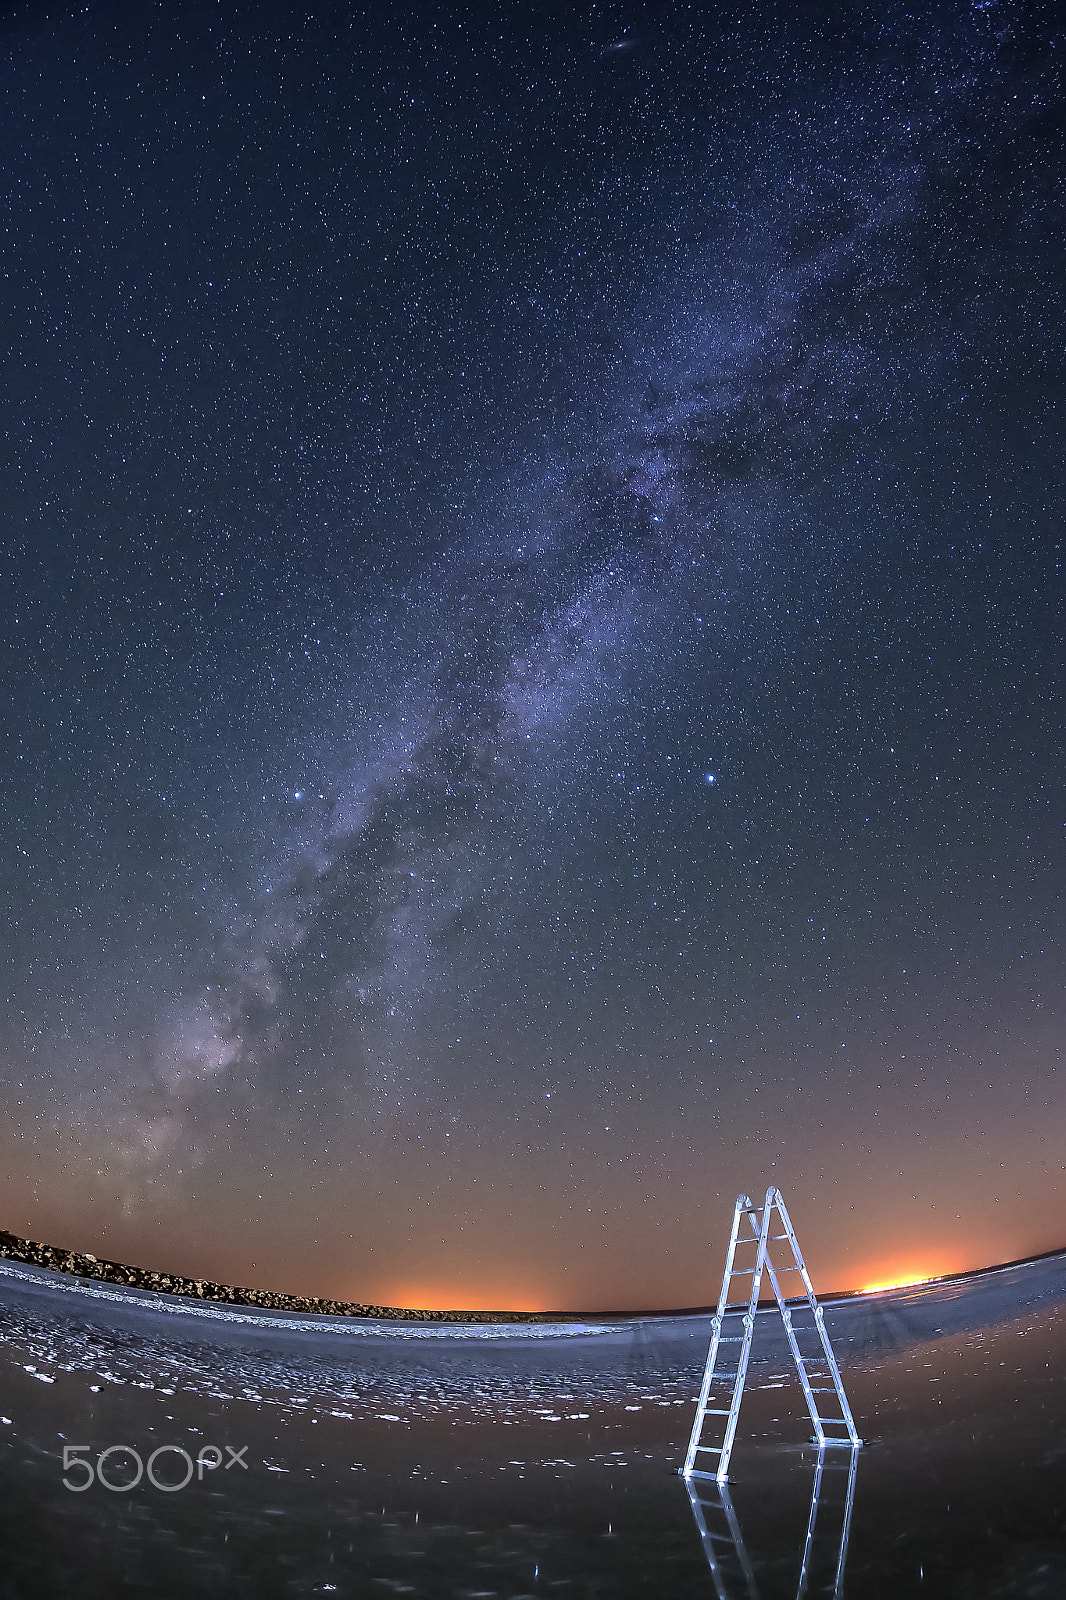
(908, 1274)
(906, 1268)
(897, 1283)
(432, 1297)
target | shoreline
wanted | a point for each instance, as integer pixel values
(74, 1264)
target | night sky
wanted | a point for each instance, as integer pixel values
(532, 645)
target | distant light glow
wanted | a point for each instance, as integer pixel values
(896, 1283)
(427, 1295)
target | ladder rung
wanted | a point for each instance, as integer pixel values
(822, 1391)
(711, 1449)
(715, 1411)
(742, 1272)
(779, 1236)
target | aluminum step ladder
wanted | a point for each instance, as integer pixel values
(732, 1331)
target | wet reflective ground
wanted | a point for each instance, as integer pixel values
(452, 1466)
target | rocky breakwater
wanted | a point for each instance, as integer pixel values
(88, 1266)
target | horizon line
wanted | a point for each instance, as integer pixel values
(82, 1265)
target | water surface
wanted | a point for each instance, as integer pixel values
(431, 1462)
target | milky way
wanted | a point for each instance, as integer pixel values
(533, 649)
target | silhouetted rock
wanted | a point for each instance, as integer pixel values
(88, 1266)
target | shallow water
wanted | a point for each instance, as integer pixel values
(474, 1465)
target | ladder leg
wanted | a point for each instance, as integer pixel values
(775, 1202)
(755, 1232)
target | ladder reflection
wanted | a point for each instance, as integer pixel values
(825, 1544)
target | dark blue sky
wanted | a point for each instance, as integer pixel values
(533, 650)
